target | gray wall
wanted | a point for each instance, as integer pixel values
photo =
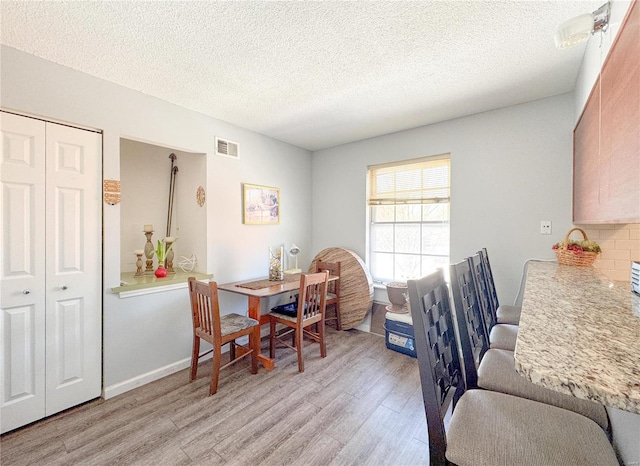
(148, 336)
(510, 169)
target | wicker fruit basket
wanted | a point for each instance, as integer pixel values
(581, 253)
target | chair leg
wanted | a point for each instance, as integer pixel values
(272, 339)
(194, 357)
(338, 320)
(299, 340)
(254, 344)
(232, 350)
(215, 374)
(323, 346)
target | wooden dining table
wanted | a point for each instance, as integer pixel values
(257, 289)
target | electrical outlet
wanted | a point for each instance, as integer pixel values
(545, 227)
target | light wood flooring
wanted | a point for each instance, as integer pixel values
(361, 405)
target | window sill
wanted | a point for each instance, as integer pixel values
(148, 284)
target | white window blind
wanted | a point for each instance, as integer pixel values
(421, 182)
(409, 218)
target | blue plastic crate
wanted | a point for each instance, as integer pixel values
(399, 334)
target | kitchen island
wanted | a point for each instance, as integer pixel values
(580, 334)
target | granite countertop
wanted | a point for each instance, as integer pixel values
(580, 334)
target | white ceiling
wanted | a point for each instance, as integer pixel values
(314, 74)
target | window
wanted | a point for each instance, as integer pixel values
(408, 206)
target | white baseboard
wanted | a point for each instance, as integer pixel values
(143, 379)
(135, 382)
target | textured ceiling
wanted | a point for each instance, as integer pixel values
(314, 74)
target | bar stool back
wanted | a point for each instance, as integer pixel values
(488, 427)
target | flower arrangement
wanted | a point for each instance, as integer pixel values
(580, 252)
(579, 246)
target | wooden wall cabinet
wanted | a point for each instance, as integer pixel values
(606, 158)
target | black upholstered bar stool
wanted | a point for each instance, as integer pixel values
(505, 313)
(500, 336)
(494, 369)
(486, 427)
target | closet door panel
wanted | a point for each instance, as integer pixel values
(23, 390)
(22, 276)
(69, 230)
(74, 248)
(67, 319)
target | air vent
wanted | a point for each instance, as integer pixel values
(227, 148)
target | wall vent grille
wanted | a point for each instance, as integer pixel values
(227, 148)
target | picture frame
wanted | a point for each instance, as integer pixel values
(260, 205)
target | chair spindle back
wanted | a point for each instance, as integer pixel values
(313, 295)
(205, 309)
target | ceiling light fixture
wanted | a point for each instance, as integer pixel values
(577, 30)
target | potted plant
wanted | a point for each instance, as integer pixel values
(161, 252)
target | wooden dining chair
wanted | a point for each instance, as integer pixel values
(494, 369)
(219, 330)
(312, 300)
(333, 290)
(486, 427)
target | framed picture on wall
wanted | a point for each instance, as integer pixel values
(260, 205)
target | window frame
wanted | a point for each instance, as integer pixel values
(407, 195)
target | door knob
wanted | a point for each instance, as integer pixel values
(26, 291)
(63, 287)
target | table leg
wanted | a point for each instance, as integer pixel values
(254, 313)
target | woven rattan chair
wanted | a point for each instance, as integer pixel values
(219, 330)
(486, 427)
(312, 299)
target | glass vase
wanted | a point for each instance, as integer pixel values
(275, 264)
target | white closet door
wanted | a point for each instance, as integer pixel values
(22, 277)
(73, 267)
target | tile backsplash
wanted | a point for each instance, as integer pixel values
(620, 245)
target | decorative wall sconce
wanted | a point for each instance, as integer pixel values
(200, 196)
(111, 190)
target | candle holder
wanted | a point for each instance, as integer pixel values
(149, 250)
(169, 258)
(139, 254)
